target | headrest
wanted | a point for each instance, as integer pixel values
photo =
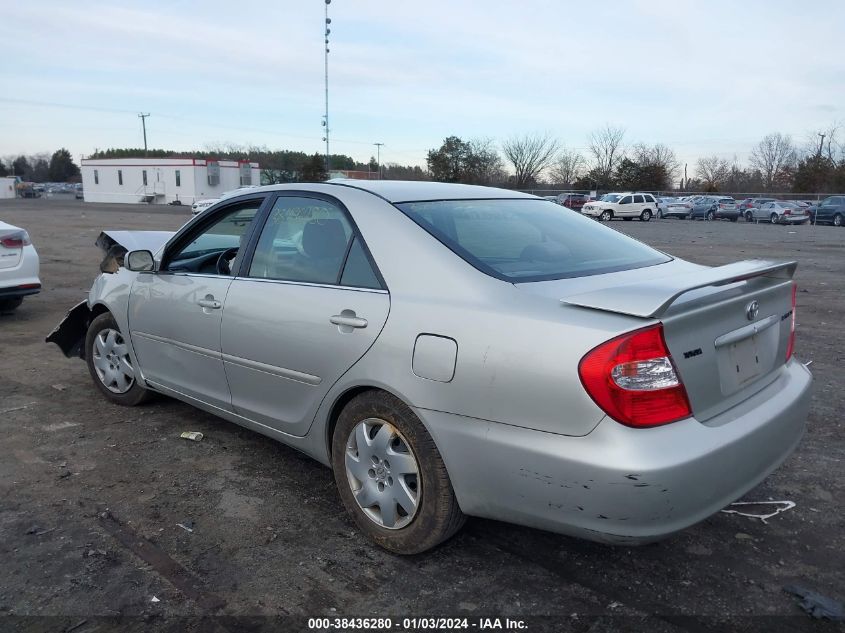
(324, 238)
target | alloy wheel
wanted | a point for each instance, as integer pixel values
(110, 356)
(383, 473)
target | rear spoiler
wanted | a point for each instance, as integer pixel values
(652, 298)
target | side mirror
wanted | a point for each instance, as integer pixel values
(139, 261)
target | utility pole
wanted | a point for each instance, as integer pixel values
(378, 158)
(326, 115)
(821, 142)
(143, 118)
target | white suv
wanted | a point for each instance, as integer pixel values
(622, 205)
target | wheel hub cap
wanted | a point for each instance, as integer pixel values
(383, 474)
(110, 356)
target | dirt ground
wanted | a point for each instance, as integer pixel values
(91, 494)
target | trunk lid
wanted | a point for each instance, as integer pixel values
(9, 257)
(727, 327)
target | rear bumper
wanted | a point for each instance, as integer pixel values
(618, 484)
(20, 291)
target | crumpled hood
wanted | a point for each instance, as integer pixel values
(115, 244)
(134, 240)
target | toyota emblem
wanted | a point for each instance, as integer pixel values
(751, 310)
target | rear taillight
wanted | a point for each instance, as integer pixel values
(633, 379)
(790, 346)
(787, 211)
(17, 239)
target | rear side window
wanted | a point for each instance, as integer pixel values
(304, 239)
(529, 240)
(639, 199)
(357, 272)
(311, 240)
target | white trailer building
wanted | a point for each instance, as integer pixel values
(7, 187)
(163, 180)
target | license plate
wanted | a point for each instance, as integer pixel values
(745, 359)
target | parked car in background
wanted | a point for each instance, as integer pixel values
(662, 202)
(704, 207)
(622, 205)
(202, 205)
(831, 210)
(574, 201)
(19, 267)
(571, 394)
(778, 212)
(726, 209)
(679, 209)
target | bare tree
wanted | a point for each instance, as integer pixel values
(606, 147)
(529, 154)
(775, 157)
(713, 171)
(567, 167)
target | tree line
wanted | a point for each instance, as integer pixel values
(529, 161)
(537, 161)
(58, 167)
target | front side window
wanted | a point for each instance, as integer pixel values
(228, 231)
(120, 176)
(625, 200)
(529, 240)
(304, 239)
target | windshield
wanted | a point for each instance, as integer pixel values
(610, 197)
(529, 240)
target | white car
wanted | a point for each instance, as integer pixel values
(19, 267)
(202, 205)
(622, 205)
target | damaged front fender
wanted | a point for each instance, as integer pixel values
(69, 335)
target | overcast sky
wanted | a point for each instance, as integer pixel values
(703, 77)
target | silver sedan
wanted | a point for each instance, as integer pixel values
(454, 351)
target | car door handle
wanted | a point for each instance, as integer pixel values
(348, 321)
(212, 304)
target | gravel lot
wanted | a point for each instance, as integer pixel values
(91, 493)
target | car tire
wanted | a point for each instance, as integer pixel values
(435, 514)
(109, 363)
(645, 216)
(659, 214)
(8, 306)
(773, 218)
(837, 220)
(691, 216)
(710, 216)
(749, 217)
(606, 216)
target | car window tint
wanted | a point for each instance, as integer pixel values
(304, 239)
(357, 272)
(639, 199)
(625, 200)
(226, 231)
(529, 240)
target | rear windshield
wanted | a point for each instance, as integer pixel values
(529, 240)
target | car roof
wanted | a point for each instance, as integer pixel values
(406, 190)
